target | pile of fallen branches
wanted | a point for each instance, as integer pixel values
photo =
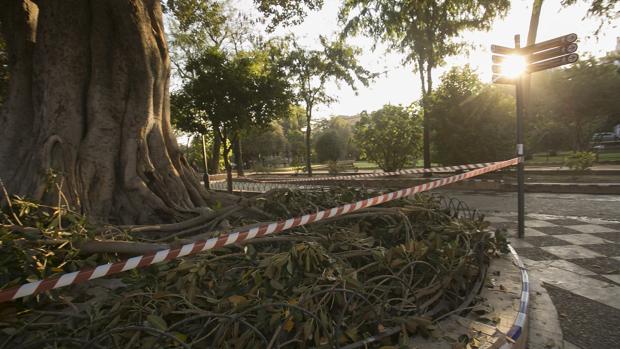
(370, 278)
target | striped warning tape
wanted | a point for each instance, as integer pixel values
(382, 174)
(235, 236)
(519, 325)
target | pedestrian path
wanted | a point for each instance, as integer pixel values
(574, 269)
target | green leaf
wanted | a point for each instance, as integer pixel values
(276, 285)
(157, 322)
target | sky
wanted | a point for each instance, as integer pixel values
(399, 84)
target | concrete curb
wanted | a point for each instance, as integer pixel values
(518, 332)
(558, 188)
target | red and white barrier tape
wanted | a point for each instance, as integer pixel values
(233, 237)
(381, 174)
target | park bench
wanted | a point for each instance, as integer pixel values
(347, 165)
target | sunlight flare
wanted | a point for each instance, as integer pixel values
(513, 66)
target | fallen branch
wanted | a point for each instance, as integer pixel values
(120, 247)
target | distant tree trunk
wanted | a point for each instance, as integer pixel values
(308, 135)
(214, 161)
(88, 108)
(238, 153)
(205, 163)
(424, 79)
(227, 165)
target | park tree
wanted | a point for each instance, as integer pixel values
(88, 108)
(266, 142)
(390, 136)
(89, 86)
(587, 102)
(468, 117)
(330, 146)
(334, 140)
(251, 91)
(292, 127)
(424, 31)
(311, 72)
(195, 27)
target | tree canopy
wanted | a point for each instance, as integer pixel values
(472, 122)
(311, 71)
(230, 94)
(425, 31)
(390, 136)
(569, 105)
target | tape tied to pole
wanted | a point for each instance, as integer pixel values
(235, 236)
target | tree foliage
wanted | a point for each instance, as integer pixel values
(425, 31)
(286, 12)
(599, 8)
(266, 145)
(390, 136)
(231, 94)
(569, 105)
(472, 122)
(334, 140)
(330, 146)
(312, 70)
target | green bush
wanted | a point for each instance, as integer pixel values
(333, 167)
(260, 168)
(580, 161)
(390, 137)
(330, 146)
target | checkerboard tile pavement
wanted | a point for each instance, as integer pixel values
(586, 246)
(577, 254)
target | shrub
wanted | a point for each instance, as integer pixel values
(330, 146)
(580, 161)
(390, 136)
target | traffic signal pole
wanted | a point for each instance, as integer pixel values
(520, 151)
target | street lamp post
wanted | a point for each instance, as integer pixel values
(513, 66)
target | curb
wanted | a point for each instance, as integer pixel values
(517, 335)
(557, 188)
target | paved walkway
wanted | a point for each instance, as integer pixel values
(574, 270)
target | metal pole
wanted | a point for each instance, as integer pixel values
(206, 163)
(520, 152)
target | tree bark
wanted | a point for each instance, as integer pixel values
(425, 109)
(427, 117)
(238, 153)
(214, 161)
(205, 163)
(308, 136)
(88, 107)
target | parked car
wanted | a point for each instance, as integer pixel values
(604, 137)
(598, 140)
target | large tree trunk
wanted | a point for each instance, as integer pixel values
(88, 107)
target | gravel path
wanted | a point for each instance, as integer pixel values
(586, 323)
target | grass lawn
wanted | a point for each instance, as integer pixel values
(365, 165)
(543, 159)
(540, 159)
